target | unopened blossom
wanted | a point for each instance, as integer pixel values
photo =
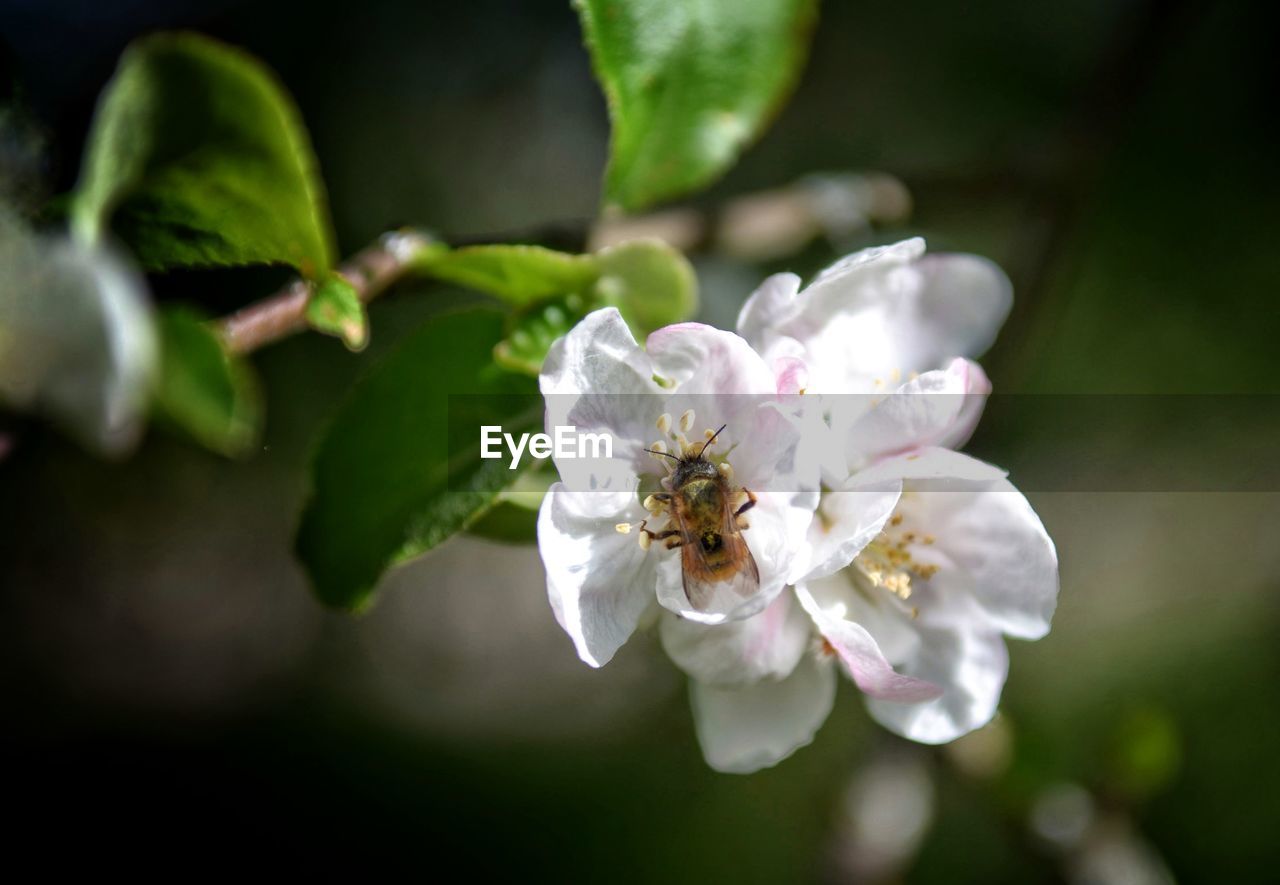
(597, 526)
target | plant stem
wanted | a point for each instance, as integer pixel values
(371, 271)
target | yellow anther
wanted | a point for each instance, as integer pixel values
(645, 540)
(726, 470)
(664, 423)
(653, 505)
(686, 420)
(623, 528)
(896, 519)
(658, 449)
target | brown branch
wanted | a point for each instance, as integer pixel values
(371, 271)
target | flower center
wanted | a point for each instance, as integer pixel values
(888, 560)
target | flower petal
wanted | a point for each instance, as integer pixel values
(847, 520)
(862, 658)
(599, 581)
(769, 308)
(766, 646)
(745, 729)
(933, 468)
(939, 408)
(962, 656)
(599, 380)
(879, 310)
(701, 359)
(990, 545)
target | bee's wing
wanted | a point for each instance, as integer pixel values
(736, 571)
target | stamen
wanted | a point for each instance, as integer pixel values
(623, 528)
(686, 420)
(645, 540)
(657, 450)
(664, 423)
(726, 470)
(888, 561)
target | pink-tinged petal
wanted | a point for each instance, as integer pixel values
(847, 520)
(933, 409)
(748, 728)
(702, 360)
(768, 310)
(862, 658)
(766, 646)
(792, 375)
(991, 546)
(977, 387)
(599, 581)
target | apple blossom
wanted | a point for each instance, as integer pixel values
(603, 575)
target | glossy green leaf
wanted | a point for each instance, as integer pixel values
(513, 518)
(651, 284)
(197, 157)
(335, 309)
(689, 84)
(399, 470)
(203, 390)
(518, 275)
(531, 333)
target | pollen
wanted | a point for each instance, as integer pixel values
(686, 421)
(623, 528)
(889, 561)
(726, 470)
(664, 423)
(645, 539)
(653, 505)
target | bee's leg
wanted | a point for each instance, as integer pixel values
(673, 543)
(647, 537)
(751, 502)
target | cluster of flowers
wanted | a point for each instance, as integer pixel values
(881, 551)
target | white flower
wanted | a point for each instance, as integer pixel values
(917, 621)
(594, 531)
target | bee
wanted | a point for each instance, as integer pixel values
(708, 529)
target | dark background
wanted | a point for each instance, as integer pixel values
(172, 695)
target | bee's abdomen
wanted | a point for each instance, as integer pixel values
(711, 542)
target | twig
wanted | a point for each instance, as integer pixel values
(371, 271)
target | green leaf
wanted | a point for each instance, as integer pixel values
(197, 157)
(513, 518)
(204, 390)
(399, 470)
(689, 84)
(518, 275)
(335, 309)
(651, 284)
(531, 333)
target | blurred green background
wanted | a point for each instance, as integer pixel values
(170, 686)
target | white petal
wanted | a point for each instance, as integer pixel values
(965, 658)
(847, 520)
(885, 309)
(599, 581)
(938, 408)
(745, 729)
(933, 468)
(991, 545)
(766, 646)
(768, 309)
(862, 658)
(597, 379)
(79, 341)
(701, 359)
